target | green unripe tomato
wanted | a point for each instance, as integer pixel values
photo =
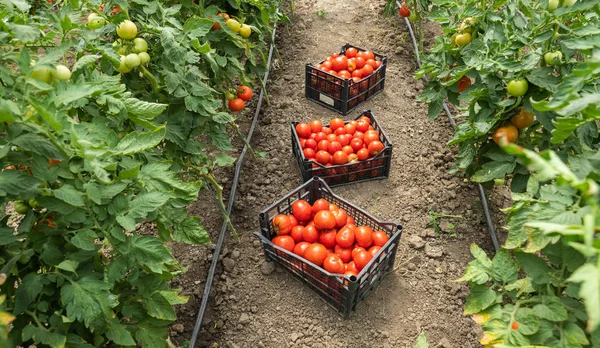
(245, 31)
(553, 5)
(553, 58)
(62, 73)
(462, 39)
(468, 25)
(95, 21)
(132, 61)
(567, 3)
(140, 45)
(42, 74)
(21, 207)
(234, 25)
(127, 30)
(123, 68)
(413, 16)
(144, 58)
(517, 88)
(33, 203)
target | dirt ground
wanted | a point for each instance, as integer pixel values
(255, 304)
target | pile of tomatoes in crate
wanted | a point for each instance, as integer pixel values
(340, 142)
(353, 64)
(325, 235)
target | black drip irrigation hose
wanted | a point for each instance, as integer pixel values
(482, 196)
(236, 177)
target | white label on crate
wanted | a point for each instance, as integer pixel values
(325, 99)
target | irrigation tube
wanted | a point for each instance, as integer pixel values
(482, 196)
(236, 177)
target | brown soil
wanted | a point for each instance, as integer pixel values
(253, 304)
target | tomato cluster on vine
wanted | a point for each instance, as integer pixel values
(324, 234)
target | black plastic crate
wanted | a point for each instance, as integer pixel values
(377, 167)
(343, 95)
(341, 292)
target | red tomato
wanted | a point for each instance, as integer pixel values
(374, 250)
(285, 242)
(365, 118)
(351, 65)
(334, 264)
(327, 64)
(361, 259)
(380, 238)
(334, 55)
(347, 149)
(315, 126)
(341, 217)
(236, 104)
(378, 63)
(310, 144)
(282, 224)
(345, 74)
(324, 219)
(359, 54)
(340, 63)
(315, 253)
(345, 237)
(364, 236)
(327, 238)
(350, 128)
(293, 220)
(372, 63)
(303, 130)
(310, 234)
(344, 139)
(357, 250)
(367, 70)
(351, 267)
(334, 147)
(302, 210)
(333, 206)
(320, 204)
(302, 143)
(300, 248)
(332, 137)
(350, 274)
(296, 233)
(362, 154)
(360, 62)
(340, 157)
(244, 93)
(368, 55)
(344, 253)
(320, 136)
(309, 153)
(370, 136)
(323, 145)
(336, 123)
(326, 130)
(350, 220)
(360, 135)
(375, 147)
(356, 144)
(357, 73)
(323, 157)
(351, 52)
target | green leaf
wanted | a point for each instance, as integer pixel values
(223, 118)
(159, 308)
(588, 276)
(493, 170)
(119, 334)
(7, 235)
(115, 270)
(537, 269)
(70, 195)
(421, 341)
(434, 109)
(85, 60)
(14, 182)
(149, 252)
(68, 265)
(480, 298)
(190, 231)
(143, 109)
(75, 341)
(28, 291)
(147, 202)
(528, 321)
(574, 335)
(102, 194)
(503, 267)
(44, 336)
(137, 142)
(150, 336)
(481, 256)
(84, 240)
(224, 160)
(24, 33)
(88, 300)
(196, 26)
(127, 222)
(37, 144)
(551, 309)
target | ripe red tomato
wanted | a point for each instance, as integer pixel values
(357, 249)
(350, 221)
(359, 135)
(368, 55)
(350, 128)
(324, 220)
(357, 73)
(360, 62)
(351, 65)
(320, 136)
(296, 233)
(344, 139)
(302, 210)
(320, 204)
(323, 157)
(309, 153)
(345, 237)
(327, 238)
(361, 259)
(326, 130)
(378, 63)
(375, 147)
(351, 52)
(340, 157)
(333, 206)
(302, 143)
(367, 70)
(334, 147)
(310, 144)
(316, 126)
(282, 224)
(356, 144)
(514, 325)
(244, 93)
(340, 63)
(404, 12)
(380, 238)
(362, 154)
(463, 83)
(334, 264)
(344, 253)
(374, 250)
(300, 247)
(336, 123)
(345, 74)
(348, 149)
(293, 220)
(370, 136)
(285, 242)
(310, 234)
(332, 137)
(327, 64)
(372, 63)
(362, 126)
(351, 267)
(315, 253)
(341, 217)
(364, 236)
(334, 55)
(323, 145)
(236, 104)
(303, 130)
(510, 132)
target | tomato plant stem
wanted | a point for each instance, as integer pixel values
(218, 190)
